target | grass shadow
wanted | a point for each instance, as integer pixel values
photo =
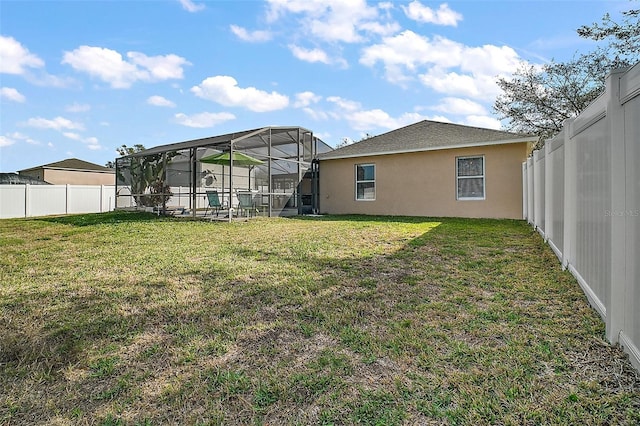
(116, 216)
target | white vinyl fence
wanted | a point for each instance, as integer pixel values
(44, 200)
(582, 193)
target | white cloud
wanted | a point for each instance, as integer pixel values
(332, 20)
(190, 6)
(317, 115)
(460, 106)
(278, 8)
(489, 60)
(442, 64)
(344, 104)
(91, 142)
(309, 55)
(250, 36)
(76, 107)
(15, 58)
(323, 136)
(453, 83)
(421, 13)
(110, 67)
(71, 135)
(160, 68)
(106, 64)
(160, 101)
(483, 121)
(5, 141)
(411, 50)
(379, 28)
(11, 138)
(471, 113)
(366, 120)
(204, 119)
(225, 91)
(377, 118)
(316, 55)
(12, 94)
(304, 99)
(58, 123)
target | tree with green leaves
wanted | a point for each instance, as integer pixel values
(145, 175)
(538, 99)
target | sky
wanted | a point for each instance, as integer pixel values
(78, 79)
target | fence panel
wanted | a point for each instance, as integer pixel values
(84, 199)
(555, 193)
(12, 201)
(593, 197)
(44, 200)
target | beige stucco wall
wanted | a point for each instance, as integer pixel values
(424, 184)
(70, 177)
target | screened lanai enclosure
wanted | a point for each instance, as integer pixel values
(270, 171)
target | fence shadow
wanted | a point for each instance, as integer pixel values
(117, 216)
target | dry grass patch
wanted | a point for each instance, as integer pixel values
(128, 319)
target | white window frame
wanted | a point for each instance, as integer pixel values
(355, 170)
(483, 176)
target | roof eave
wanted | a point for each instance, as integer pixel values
(434, 148)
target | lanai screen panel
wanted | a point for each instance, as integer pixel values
(174, 175)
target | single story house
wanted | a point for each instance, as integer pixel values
(427, 169)
(72, 171)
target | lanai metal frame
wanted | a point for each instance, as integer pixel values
(288, 179)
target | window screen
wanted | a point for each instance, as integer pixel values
(470, 178)
(365, 182)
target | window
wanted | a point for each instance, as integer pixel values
(365, 182)
(470, 178)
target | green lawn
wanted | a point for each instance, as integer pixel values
(130, 319)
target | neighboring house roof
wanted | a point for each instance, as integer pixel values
(16, 179)
(73, 164)
(426, 136)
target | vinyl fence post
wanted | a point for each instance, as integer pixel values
(548, 194)
(530, 192)
(618, 208)
(536, 190)
(525, 195)
(66, 202)
(570, 187)
(27, 200)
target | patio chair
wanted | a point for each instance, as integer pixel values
(246, 203)
(213, 202)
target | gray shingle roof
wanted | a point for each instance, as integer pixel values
(426, 135)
